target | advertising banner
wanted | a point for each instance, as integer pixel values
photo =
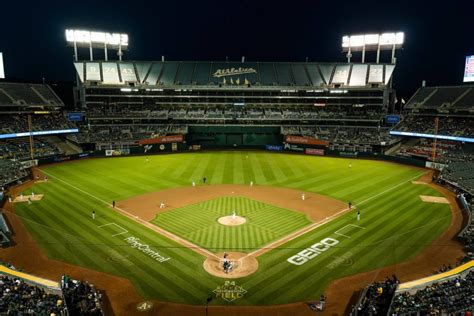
(163, 140)
(274, 147)
(314, 151)
(293, 147)
(117, 152)
(304, 140)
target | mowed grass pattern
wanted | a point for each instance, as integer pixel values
(398, 225)
(198, 223)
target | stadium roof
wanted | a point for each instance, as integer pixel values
(266, 74)
(443, 99)
(28, 94)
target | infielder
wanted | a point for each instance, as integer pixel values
(358, 215)
(162, 205)
(251, 183)
(302, 196)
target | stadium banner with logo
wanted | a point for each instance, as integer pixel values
(117, 152)
(293, 147)
(305, 140)
(435, 165)
(163, 140)
(274, 147)
(314, 151)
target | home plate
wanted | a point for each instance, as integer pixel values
(434, 199)
(24, 198)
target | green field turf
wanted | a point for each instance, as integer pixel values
(198, 223)
(396, 224)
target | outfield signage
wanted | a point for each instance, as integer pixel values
(163, 140)
(444, 137)
(274, 147)
(39, 133)
(312, 252)
(305, 140)
(293, 147)
(314, 151)
(135, 243)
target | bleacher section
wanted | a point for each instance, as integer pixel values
(450, 293)
(460, 175)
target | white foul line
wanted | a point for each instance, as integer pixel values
(160, 230)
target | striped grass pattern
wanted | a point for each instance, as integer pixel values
(397, 224)
(198, 223)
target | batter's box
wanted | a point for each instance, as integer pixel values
(114, 229)
(348, 230)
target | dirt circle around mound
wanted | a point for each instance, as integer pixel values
(232, 220)
(244, 265)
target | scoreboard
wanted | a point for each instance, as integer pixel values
(2, 71)
(469, 69)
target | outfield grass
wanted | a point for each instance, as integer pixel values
(397, 224)
(198, 223)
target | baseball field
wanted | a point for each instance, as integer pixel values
(287, 249)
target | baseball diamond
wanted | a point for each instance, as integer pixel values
(248, 186)
(165, 269)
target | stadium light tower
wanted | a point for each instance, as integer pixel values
(372, 42)
(94, 39)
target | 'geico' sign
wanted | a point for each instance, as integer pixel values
(312, 252)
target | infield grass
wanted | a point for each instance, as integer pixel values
(198, 223)
(397, 224)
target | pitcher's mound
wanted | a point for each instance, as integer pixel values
(242, 265)
(232, 220)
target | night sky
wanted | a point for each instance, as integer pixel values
(437, 36)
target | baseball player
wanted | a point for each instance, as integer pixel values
(302, 196)
(358, 215)
(194, 184)
(93, 214)
(251, 183)
(29, 200)
(113, 204)
(350, 165)
(350, 205)
(162, 205)
(32, 194)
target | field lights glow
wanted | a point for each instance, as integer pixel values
(94, 38)
(384, 40)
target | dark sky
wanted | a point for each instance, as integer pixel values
(438, 36)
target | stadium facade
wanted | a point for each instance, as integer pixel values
(235, 104)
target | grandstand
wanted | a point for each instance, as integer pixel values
(234, 104)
